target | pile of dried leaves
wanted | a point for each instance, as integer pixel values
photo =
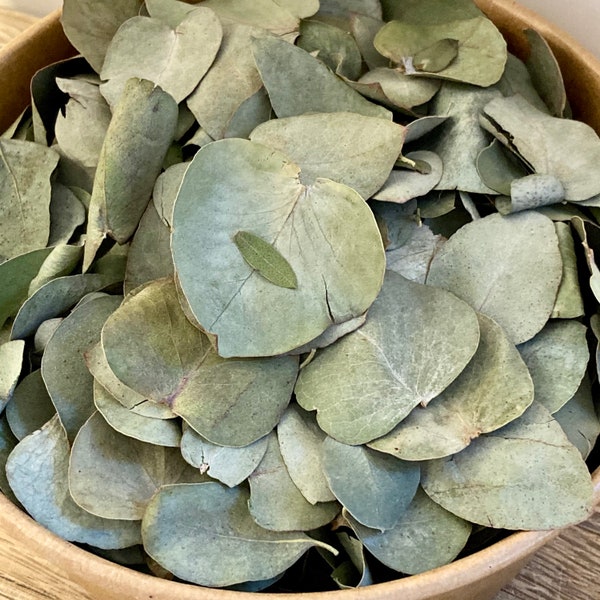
(286, 280)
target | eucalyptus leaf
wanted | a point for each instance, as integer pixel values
(569, 302)
(407, 320)
(557, 359)
(11, 364)
(300, 443)
(64, 371)
(37, 470)
(230, 466)
(374, 488)
(171, 12)
(535, 190)
(516, 79)
(349, 148)
(115, 476)
(60, 262)
(209, 524)
(356, 564)
(43, 334)
(275, 501)
(67, 213)
(25, 169)
(425, 537)
(175, 59)
(489, 483)
(7, 443)
(364, 28)
(498, 168)
(122, 187)
(434, 12)
(333, 246)
(494, 389)
(499, 280)
(30, 407)
(298, 83)
(165, 191)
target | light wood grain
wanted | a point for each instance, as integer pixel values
(12, 23)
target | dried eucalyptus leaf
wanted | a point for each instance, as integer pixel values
(498, 168)
(149, 255)
(298, 83)
(275, 501)
(569, 303)
(25, 169)
(404, 185)
(533, 135)
(557, 359)
(152, 348)
(230, 466)
(438, 331)
(579, 419)
(437, 204)
(489, 483)
(589, 233)
(344, 575)
(500, 280)
(209, 525)
(30, 407)
(37, 471)
(90, 25)
(16, 275)
(374, 488)
(533, 191)
(250, 114)
(64, 371)
(115, 476)
(364, 28)
(480, 54)
(165, 191)
(545, 73)
(11, 363)
(60, 262)
(143, 125)
(349, 148)
(7, 443)
(300, 442)
(434, 12)
(494, 389)
(425, 537)
(67, 213)
(43, 334)
(160, 432)
(175, 59)
(233, 78)
(516, 79)
(332, 245)
(265, 259)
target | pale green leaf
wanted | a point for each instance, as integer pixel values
(11, 363)
(569, 302)
(61, 261)
(498, 168)
(67, 213)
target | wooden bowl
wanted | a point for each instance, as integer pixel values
(46, 562)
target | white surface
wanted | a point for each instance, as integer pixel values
(39, 8)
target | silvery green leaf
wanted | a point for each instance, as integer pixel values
(517, 80)
(60, 262)
(334, 47)
(81, 129)
(37, 471)
(229, 465)
(122, 187)
(419, 127)
(459, 140)
(589, 233)
(171, 12)
(100, 369)
(396, 89)
(349, 148)
(494, 389)
(25, 169)
(165, 191)
(250, 114)
(160, 432)
(425, 537)
(229, 402)
(344, 575)
(557, 359)
(498, 168)
(64, 371)
(333, 246)
(370, 8)
(275, 501)
(90, 25)
(491, 484)
(500, 280)
(43, 334)
(115, 476)
(437, 204)
(407, 320)
(17, 274)
(396, 222)
(579, 419)
(209, 524)
(300, 442)
(7, 443)
(74, 175)
(374, 488)
(481, 53)
(53, 299)
(67, 213)
(30, 407)
(298, 83)
(533, 191)
(11, 363)
(569, 303)
(403, 185)
(175, 59)
(364, 28)
(233, 78)
(533, 135)
(469, 205)
(545, 73)
(434, 12)
(149, 255)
